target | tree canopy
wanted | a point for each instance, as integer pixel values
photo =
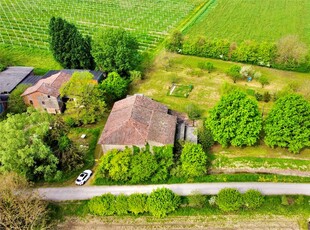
(22, 148)
(115, 50)
(16, 103)
(288, 123)
(114, 87)
(86, 104)
(68, 46)
(194, 160)
(235, 120)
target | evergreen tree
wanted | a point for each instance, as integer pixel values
(68, 46)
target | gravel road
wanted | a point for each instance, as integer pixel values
(87, 192)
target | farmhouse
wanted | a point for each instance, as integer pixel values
(136, 121)
(45, 93)
(10, 78)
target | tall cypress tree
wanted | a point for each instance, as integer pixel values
(68, 45)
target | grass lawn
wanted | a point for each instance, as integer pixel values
(260, 20)
(41, 60)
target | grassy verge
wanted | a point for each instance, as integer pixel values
(42, 60)
(222, 161)
(241, 177)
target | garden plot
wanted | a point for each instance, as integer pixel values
(180, 90)
(25, 23)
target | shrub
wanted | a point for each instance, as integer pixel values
(162, 201)
(266, 97)
(205, 138)
(258, 96)
(206, 66)
(253, 199)
(263, 80)
(121, 204)
(300, 200)
(197, 200)
(234, 73)
(137, 203)
(212, 201)
(102, 205)
(229, 199)
(193, 160)
(284, 200)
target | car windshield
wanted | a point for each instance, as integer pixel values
(82, 175)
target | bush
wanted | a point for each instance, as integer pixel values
(234, 73)
(266, 97)
(121, 204)
(162, 201)
(229, 199)
(258, 96)
(206, 66)
(137, 203)
(284, 200)
(205, 138)
(102, 205)
(197, 200)
(253, 199)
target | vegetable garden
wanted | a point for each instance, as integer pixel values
(25, 23)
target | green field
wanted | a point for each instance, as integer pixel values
(25, 23)
(261, 20)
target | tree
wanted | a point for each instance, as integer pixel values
(143, 166)
(164, 157)
(247, 71)
(68, 46)
(86, 104)
(234, 73)
(119, 169)
(22, 210)
(16, 103)
(235, 120)
(114, 87)
(291, 51)
(229, 199)
(288, 123)
(175, 42)
(137, 203)
(263, 80)
(193, 160)
(115, 50)
(205, 138)
(162, 201)
(253, 199)
(22, 148)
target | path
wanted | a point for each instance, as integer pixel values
(87, 192)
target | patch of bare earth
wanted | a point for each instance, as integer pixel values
(186, 222)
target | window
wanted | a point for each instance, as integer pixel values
(43, 103)
(48, 96)
(31, 102)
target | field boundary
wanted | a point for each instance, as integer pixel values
(199, 13)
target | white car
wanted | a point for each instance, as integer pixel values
(83, 177)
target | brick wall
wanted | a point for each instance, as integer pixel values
(44, 102)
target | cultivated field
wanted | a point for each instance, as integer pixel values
(261, 20)
(25, 23)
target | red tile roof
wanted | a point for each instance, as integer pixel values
(50, 85)
(137, 120)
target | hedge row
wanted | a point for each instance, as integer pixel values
(159, 203)
(252, 52)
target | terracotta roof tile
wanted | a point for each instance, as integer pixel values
(137, 120)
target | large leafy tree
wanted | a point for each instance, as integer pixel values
(115, 50)
(235, 120)
(288, 123)
(86, 104)
(114, 87)
(68, 46)
(22, 148)
(194, 160)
